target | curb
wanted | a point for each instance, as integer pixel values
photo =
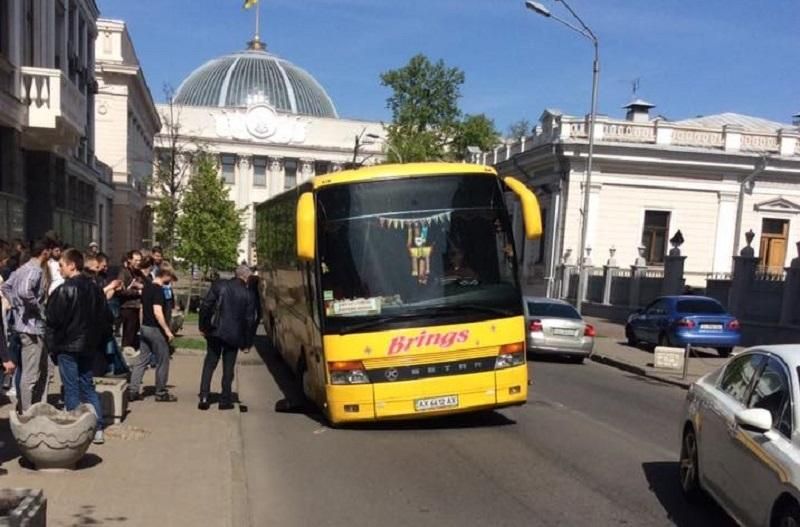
(638, 370)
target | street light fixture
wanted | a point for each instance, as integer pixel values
(587, 33)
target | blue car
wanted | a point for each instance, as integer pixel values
(681, 320)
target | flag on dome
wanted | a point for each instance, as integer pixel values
(249, 3)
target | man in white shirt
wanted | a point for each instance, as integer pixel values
(54, 272)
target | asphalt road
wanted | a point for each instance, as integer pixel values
(593, 446)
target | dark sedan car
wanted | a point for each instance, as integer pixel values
(681, 320)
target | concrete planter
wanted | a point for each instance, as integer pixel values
(23, 508)
(51, 438)
(113, 395)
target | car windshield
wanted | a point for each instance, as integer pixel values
(415, 245)
(551, 309)
(700, 307)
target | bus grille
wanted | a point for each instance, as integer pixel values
(429, 358)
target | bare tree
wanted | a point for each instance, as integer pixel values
(175, 154)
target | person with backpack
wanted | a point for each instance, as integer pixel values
(228, 320)
(155, 337)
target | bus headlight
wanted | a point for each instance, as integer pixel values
(510, 355)
(351, 372)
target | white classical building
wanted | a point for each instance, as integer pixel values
(126, 123)
(271, 124)
(653, 177)
(49, 177)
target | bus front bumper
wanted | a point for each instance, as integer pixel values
(428, 397)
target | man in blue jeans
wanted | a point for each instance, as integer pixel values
(77, 326)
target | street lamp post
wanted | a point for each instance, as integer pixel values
(585, 32)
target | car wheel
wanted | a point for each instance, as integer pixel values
(787, 515)
(663, 340)
(689, 465)
(724, 352)
(631, 336)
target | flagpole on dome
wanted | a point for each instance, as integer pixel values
(256, 43)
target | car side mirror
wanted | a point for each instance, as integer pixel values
(754, 419)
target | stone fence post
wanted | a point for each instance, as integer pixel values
(634, 293)
(744, 273)
(566, 272)
(608, 276)
(672, 284)
(790, 305)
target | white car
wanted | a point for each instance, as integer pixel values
(741, 437)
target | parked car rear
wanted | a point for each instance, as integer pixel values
(556, 328)
(680, 320)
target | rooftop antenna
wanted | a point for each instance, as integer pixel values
(256, 43)
(635, 86)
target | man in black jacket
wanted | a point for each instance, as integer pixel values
(77, 325)
(228, 319)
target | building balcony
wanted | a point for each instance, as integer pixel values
(54, 103)
(12, 111)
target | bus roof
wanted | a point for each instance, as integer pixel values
(378, 172)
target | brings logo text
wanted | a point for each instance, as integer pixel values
(402, 343)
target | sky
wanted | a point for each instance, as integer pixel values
(690, 57)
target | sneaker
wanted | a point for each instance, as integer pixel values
(203, 404)
(165, 397)
(99, 438)
(134, 396)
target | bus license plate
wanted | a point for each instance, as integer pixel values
(436, 403)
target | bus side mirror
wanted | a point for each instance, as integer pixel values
(306, 227)
(531, 213)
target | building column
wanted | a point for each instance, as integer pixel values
(275, 177)
(723, 244)
(305, 170)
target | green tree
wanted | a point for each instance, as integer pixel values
(519, 129)
(209, 228)
(474, 130)
(424, 105)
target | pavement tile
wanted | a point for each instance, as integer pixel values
(167, 464)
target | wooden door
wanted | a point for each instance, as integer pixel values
(774, 238)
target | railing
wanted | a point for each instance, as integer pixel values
(719, 276)
(564, 127)
(760, 143)
(49, 95)
(697, 137)
(629, 132)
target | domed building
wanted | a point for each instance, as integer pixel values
(271, 124)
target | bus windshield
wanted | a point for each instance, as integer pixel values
(424, 246)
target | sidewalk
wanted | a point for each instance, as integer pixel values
(166, 464)
(610, 348)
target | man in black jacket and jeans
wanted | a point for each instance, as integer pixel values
(77, 325)
(228, 319)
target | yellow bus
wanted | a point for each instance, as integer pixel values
(392, 291)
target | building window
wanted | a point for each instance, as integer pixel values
(774, 240)
(290, 173)
(228, 163)
(654, 235)
(322, 167)
(259, 171)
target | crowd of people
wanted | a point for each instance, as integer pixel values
(63, 309)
